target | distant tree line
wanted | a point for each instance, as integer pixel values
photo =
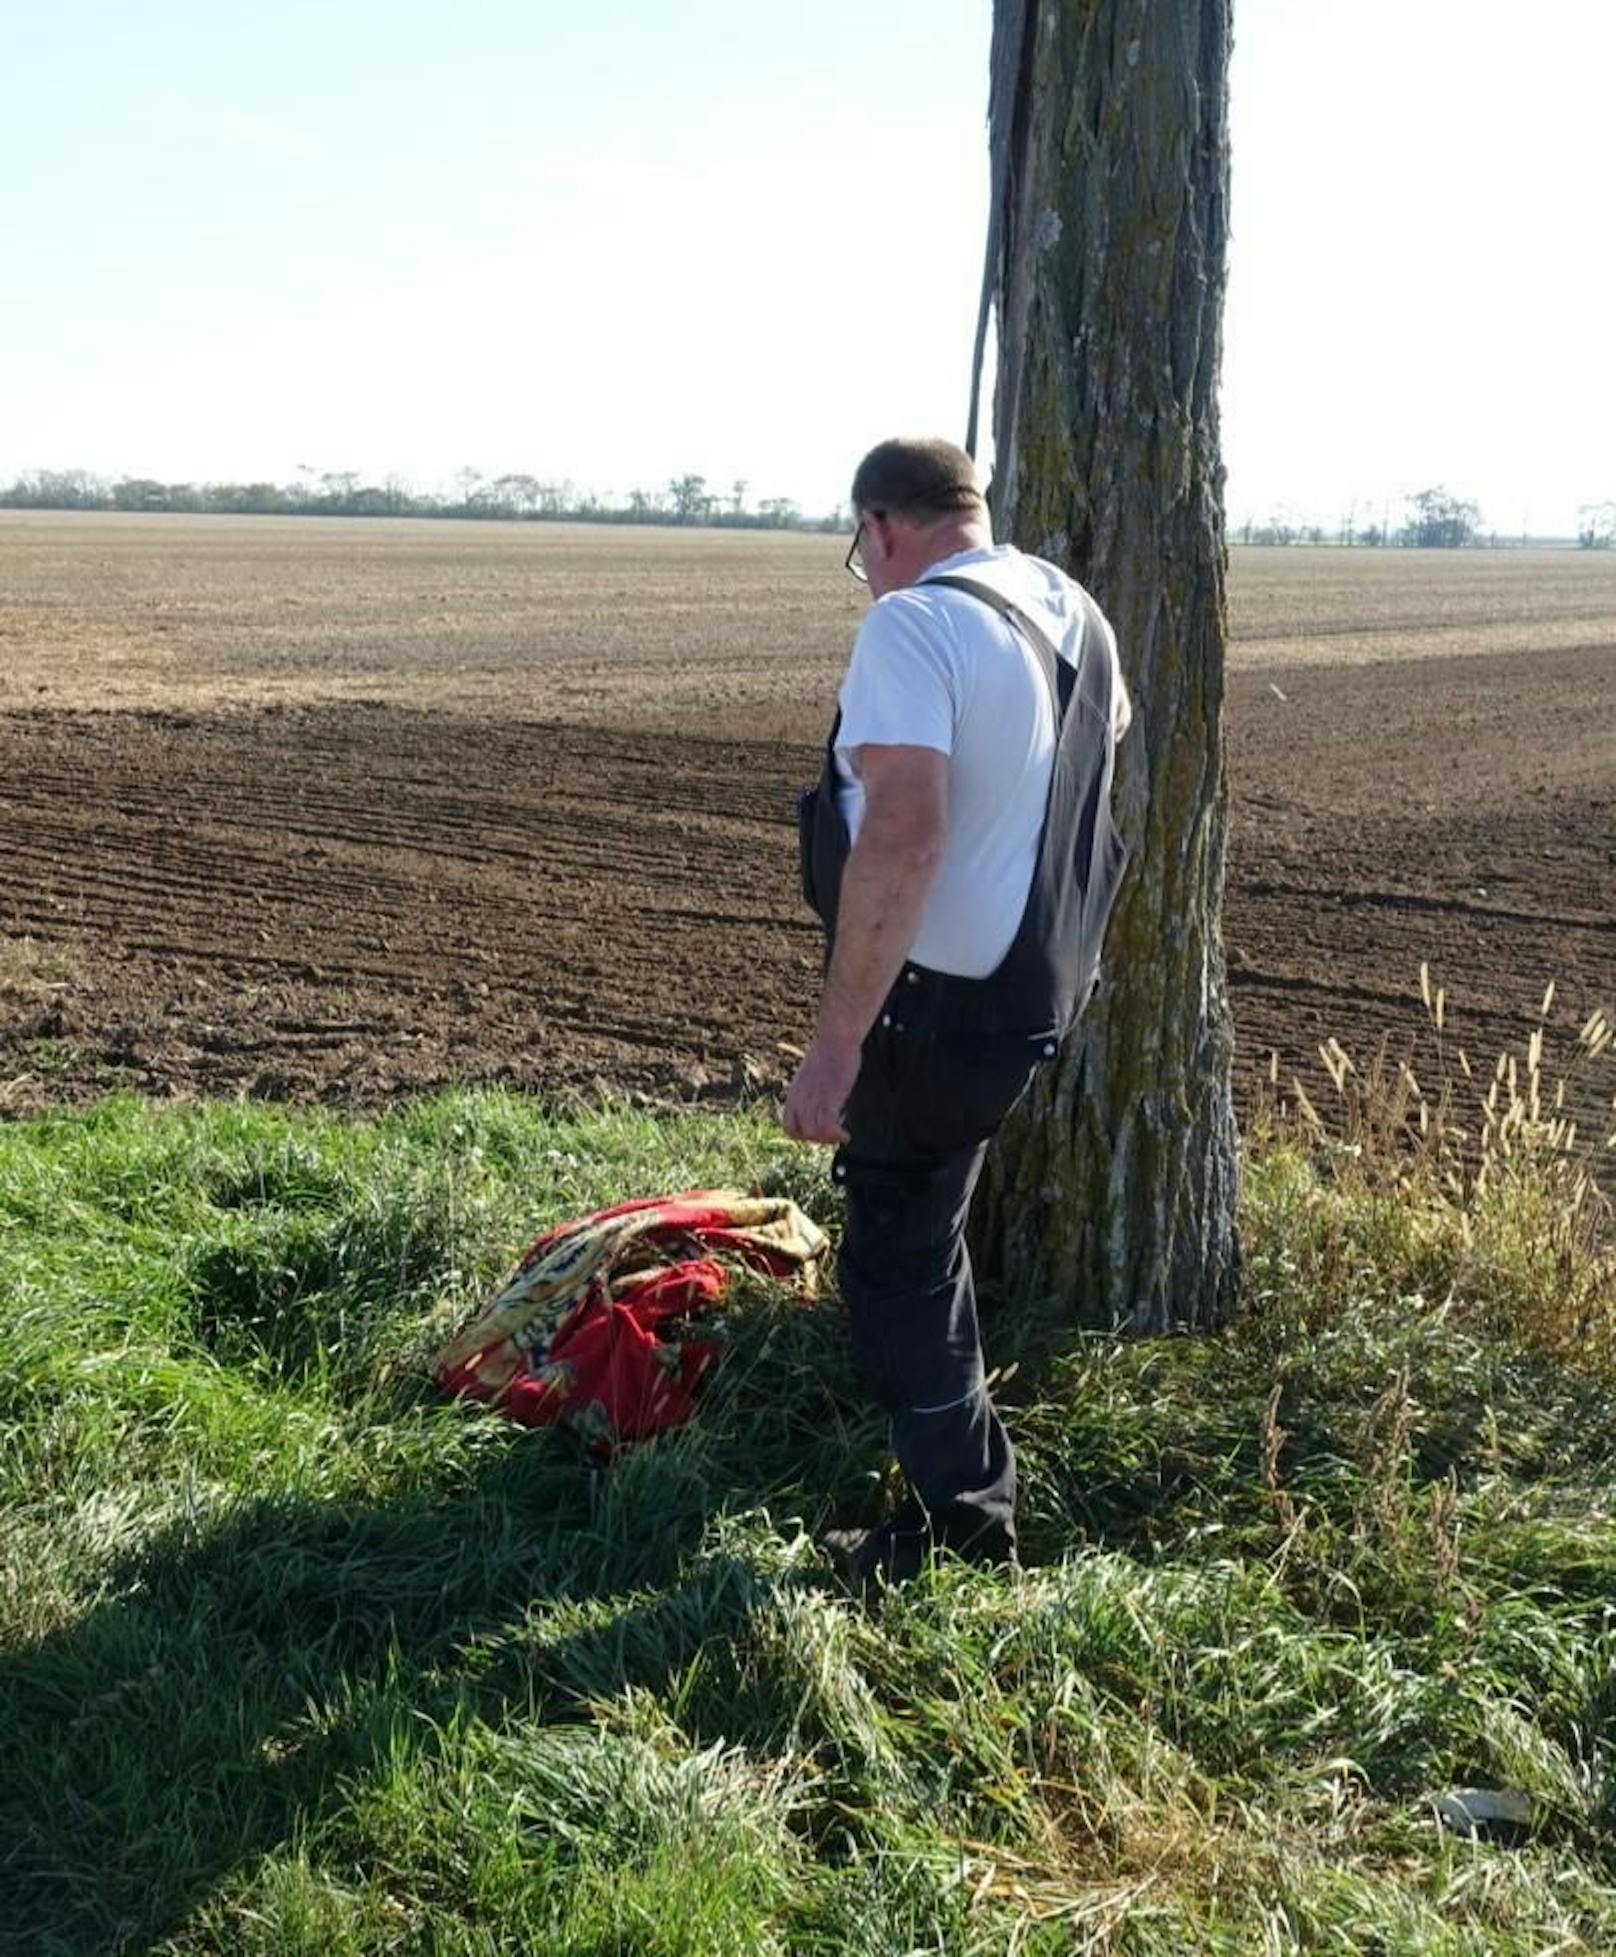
(1434, 519)
(686, 499)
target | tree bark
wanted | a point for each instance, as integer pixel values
(1114, 1188)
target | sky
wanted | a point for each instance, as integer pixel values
(615, 243)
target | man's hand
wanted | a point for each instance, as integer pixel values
(819, 1090)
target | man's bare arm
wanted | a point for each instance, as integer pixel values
(885, 883)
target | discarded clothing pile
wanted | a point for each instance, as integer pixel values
(607, 1324)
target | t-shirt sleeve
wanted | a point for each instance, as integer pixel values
(899, 690)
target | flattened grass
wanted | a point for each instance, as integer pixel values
(296, 1658)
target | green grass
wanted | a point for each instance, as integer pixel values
(295, 1657)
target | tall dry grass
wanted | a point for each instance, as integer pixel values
(1492, 1158)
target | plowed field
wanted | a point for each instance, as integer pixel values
(342, 809)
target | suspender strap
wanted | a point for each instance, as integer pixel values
(1030, 630)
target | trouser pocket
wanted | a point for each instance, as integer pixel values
(928, 1086)
(950, 1094)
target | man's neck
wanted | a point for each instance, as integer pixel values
(950, 540)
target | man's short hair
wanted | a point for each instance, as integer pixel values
(920, 479)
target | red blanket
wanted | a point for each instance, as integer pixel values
(598, 1326)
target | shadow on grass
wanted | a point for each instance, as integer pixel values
(246, 1677)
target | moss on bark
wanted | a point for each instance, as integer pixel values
(1115, 1188)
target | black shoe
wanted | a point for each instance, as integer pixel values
(868, 1559)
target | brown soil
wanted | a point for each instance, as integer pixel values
(350, 876)
(1455, 811)
(346, 901)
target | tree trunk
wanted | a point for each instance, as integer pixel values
(1114, 1189)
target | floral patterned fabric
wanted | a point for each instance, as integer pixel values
(609, 1322)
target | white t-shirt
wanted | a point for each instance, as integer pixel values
(941, 669)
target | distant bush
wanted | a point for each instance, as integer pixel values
(1439, 520)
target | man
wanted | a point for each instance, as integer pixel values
(960, 852)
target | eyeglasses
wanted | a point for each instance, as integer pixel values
(853, 563)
